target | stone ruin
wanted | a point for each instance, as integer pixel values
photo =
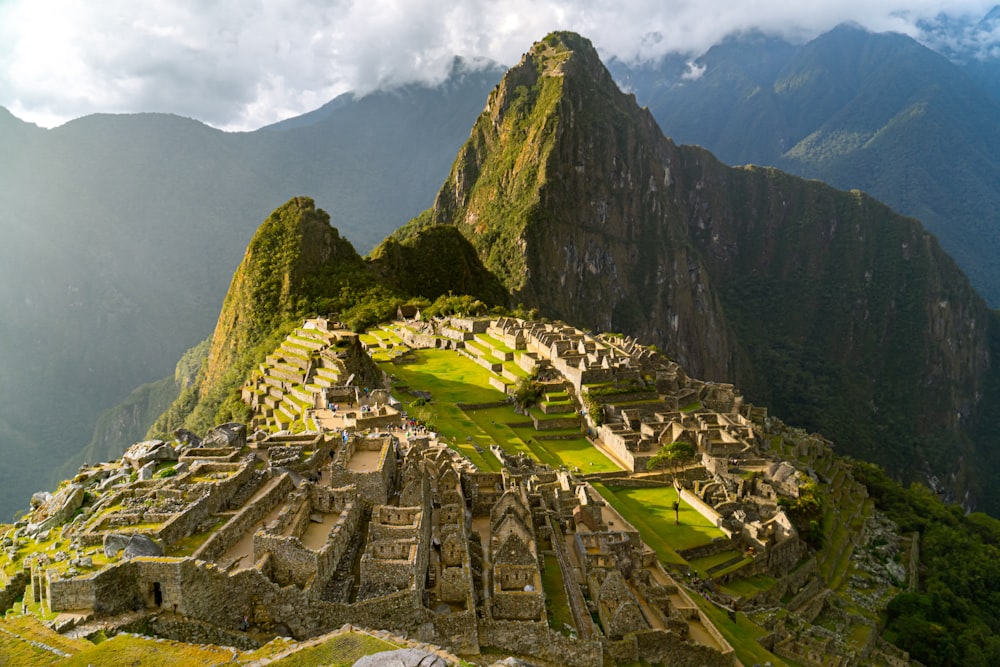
(301, 533)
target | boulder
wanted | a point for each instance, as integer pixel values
(404, 657)
(231, 434)
(187, 438)
(130, 546)
(141, 545)
(146, 471)
(114, 543)
(40, 498)
(142, 453)
(58, 508)
(114, 480)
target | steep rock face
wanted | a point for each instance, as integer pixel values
(561, 189)
(826, 306)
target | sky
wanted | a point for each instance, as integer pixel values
(242, 64)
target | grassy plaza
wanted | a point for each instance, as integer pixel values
(451, 379)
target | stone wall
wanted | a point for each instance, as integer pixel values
(459, 630)
(518, 605)
(13, 589)
(390, 565)
(373, 486)
(716, 546)
(294, 563)
(192, 631)
(219, 493)
(251, 514)
(705, 510)
(538, 641)
(75, 593)
(660, 646)
(116, 589)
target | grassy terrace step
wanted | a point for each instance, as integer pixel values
(332, 372)
(271, 381)
(481, 351)
(303, 339)
(296, 355)
(513, 372)
(281, 414)
(494, 343)
(392, 336)
(298, 403)
(284, 374)
(302, 395)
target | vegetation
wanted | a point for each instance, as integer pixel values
(673, 456)
(954, 616)
(806, 513)
(296, 265)
(341, 650)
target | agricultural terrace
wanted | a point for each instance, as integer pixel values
(452, 379)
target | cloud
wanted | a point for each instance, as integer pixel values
(237, 64)
(693, 71)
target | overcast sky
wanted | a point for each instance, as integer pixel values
(241, 64)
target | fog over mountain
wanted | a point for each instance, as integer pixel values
(240, 66)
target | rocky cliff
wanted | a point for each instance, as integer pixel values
(824, 305)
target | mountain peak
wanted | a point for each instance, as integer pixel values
(281, 273)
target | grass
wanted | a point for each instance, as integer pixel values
(452, 378)
(702, 565)
(741, 633)
(556, 604)
(188, 545)
(127, 649)
(651, 512)
(17, 651)
(749, 586)
(31, 629)
(341, 649)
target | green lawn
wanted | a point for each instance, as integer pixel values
(452, 378)
(132, 650)
(651, 512)
(556, 604)
(749, 586)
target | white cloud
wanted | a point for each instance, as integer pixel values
(237, 64)
(694, 71)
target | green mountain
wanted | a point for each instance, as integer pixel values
(827, 306)
(876, 112)
(298, 265)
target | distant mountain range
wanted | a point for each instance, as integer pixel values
(122, 232)
(876, 112)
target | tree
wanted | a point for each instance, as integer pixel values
(673, 456)
(527, 391)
